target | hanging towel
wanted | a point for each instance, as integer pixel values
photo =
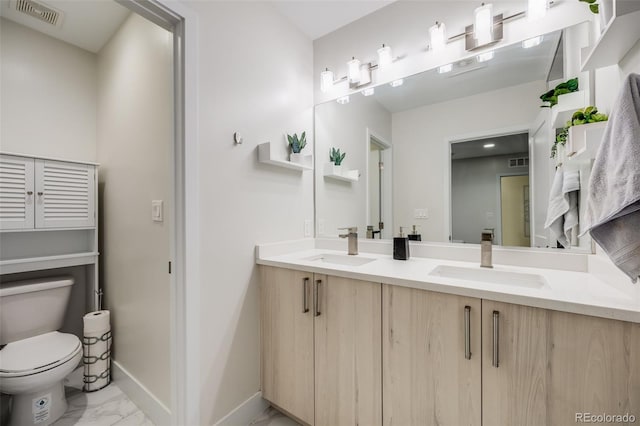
(562, 215)
(613, 205)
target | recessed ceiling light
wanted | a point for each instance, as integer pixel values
(343, 100)
(396, 83)
(484, 57)
(445, 68)
(532, 42)
(489, 145)
(368, 91)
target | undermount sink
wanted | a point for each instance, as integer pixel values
(491, 276)
(340, 259)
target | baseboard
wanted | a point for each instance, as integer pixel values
(151, 406)
(244, 413)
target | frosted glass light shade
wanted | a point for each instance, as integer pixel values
(483, 24)
(537, 9)
(438, 36)
(326, 80)
(385, 56)
(353, 70)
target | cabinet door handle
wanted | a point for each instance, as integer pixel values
(40, 193)
(496, 339)
(467, 332)
(305, 302)
(317, 298)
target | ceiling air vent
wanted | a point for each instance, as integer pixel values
(518, 162)
(39, 11)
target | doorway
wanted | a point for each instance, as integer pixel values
(379, 200)
(514, 210)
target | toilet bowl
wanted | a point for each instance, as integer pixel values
(37, 357)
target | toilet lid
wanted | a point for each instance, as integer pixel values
(38, 352)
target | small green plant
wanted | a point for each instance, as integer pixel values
(335, 157)
(593, 6)
(586, 115)
(561, 89)
(296, 144)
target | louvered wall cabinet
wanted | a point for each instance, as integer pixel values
(48, 210)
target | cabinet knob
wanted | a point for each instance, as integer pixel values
(40, 193)
(29, 192)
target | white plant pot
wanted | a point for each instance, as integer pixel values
(332, 169)
(296, 158)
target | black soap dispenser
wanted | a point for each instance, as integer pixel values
(414, 236)
(401, 247)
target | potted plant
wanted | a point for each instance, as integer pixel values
(297, 145)
(336, 159)
(581, 117)
(551, 96)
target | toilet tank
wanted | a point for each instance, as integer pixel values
(32, 307)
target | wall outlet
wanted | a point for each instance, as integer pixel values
(307, 228)
(422, 213)
(321, 227)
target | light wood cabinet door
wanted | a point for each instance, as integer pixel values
(287, 341)
(348, 373)
(547, 366)
(432, 358)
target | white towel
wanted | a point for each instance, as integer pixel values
(563, 215)
(613, 204)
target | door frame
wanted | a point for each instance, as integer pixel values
(388, 160)
(499, 199)
(184, 240)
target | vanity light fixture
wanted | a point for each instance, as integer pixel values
(445, 68)
(486, 56)
(537, 9)
(368, 91)
(353, 70)
(489, 145)
(396, 83)
(343, 100)
(483, 24)
(438, 36)
(385, 57)
(326, 80)
(532, 42)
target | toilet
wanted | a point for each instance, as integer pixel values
(37, 357)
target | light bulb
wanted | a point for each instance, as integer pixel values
(532, 42)
(537, 9)
(326, 80)
(483, 24)
(489, 145)
(343, 100)
(445, 68)
(438, 36)
(385, 57)
(368, 91)
(484, 57)
(353, 70)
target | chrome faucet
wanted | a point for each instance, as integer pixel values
(352, 235)
(485, 248)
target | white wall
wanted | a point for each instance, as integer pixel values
(420, 143)
(255, 77)
(404, 25)
(475, 198)
(339, 203)
(135, 133)
(48, 95)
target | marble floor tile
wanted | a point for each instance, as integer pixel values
(272, 417)
(106, 407)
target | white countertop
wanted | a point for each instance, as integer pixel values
(568, 291)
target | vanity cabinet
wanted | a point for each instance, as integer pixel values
(541, 367)
(432, 358)
(321, 347)
(37, 193)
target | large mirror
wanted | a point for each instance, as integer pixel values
(447, 155)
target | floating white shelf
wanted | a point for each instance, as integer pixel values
(583, 141)
(618, 37)
(12, 266)
(265, 156)
(333, 172)
(567, 105)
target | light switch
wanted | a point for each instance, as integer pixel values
(321, 227)
(422, 213)
(156, 210)
(307, 228)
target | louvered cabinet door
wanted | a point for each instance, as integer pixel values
(16, 192)
(65, 195)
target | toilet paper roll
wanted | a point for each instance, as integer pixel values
(97, 350)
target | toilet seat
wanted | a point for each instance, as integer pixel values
(38, 354)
